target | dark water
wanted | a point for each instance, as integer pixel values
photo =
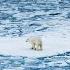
(19, 17)
(56, 62)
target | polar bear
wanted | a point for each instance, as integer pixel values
(36, 42)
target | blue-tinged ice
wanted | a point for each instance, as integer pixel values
(49, 19)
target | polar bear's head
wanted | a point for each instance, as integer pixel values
(27, 40)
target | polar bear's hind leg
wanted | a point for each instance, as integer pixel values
(40, 45)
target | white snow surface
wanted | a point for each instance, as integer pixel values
(53, 43)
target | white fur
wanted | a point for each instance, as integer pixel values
(36, 42)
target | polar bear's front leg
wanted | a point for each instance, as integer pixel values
(33, 46)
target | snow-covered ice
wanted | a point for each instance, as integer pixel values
(53, 43)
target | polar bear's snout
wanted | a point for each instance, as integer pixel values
(26, 40)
